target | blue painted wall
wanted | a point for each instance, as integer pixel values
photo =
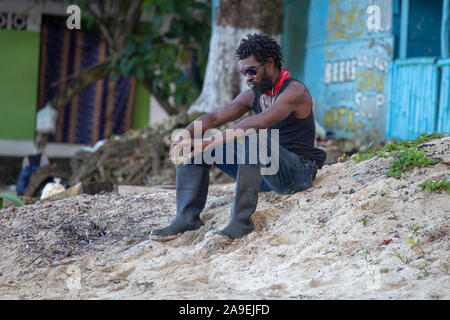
(315, 53)
(347, 66)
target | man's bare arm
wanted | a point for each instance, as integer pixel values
(290, 101)
(237, 108)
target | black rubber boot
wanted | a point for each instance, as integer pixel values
(191, 192)
(245, 202)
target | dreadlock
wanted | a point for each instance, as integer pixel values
(262, 47)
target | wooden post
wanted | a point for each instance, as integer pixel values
(445, 29)
(404, 29)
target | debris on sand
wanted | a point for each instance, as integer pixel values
(353, 235)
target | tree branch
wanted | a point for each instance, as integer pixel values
(148, 83)
(127, 20)
(84, 79)
(102, 22)
(117, 20)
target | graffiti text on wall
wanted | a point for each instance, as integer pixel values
(340, 71)
(343, 118)
(350, 24)
(379, 16)
(356, 70)
(343, 25)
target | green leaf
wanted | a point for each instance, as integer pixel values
(178, 96)
(123, 67)
(146, 45)
(147, 4)
(133, 61)
(411, 242)
(1, 203)
(130, 47)
(114, 76)
(176, 28)
(140, 74)
(167, 6)
(12, 198)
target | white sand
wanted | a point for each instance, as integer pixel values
(311, 245)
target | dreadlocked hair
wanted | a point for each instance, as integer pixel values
(262, 47)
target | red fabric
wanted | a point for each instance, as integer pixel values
(281, 78)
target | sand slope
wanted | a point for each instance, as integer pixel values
(311, 245)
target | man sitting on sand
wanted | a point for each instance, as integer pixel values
(282, 128)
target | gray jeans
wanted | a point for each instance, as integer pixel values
(294, 174)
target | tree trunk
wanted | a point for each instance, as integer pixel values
(165, 104)
(234, 20)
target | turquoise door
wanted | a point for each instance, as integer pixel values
(420, 79)
(443, 121)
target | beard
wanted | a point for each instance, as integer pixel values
(264, 85)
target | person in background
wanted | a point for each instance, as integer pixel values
(37, 159)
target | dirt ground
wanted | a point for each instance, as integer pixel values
(344, 238)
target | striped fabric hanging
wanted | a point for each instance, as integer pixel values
(101, 109)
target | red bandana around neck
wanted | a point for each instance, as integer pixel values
(284, 74)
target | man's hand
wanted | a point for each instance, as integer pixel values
(200, 145)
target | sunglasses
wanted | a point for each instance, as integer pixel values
(251, 71)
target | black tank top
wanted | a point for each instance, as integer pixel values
(296, 135)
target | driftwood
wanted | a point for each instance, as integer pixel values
(135, 158)
(139, 157)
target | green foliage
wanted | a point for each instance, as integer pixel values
(430, 185)
(398, 255)
(364, 221)
(12, 198)
(406, 154)
(406, 160)
(367, 256)
(343, 158)
(411, 240)
(364, 155)
(425, 137)
(166, 58)
(422, 266)
(392, 147)
(335, 239)
(88, 20)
